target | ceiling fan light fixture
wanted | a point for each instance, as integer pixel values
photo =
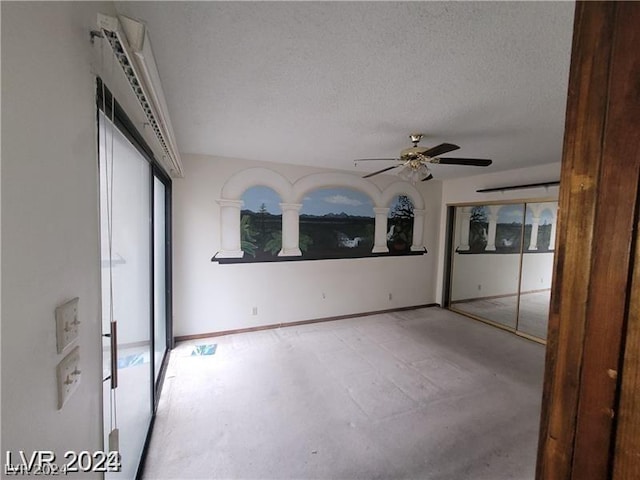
(405, 173)
(414, 173)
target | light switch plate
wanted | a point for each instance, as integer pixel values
(68, 376)
(67, 324)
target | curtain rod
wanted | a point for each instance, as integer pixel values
(518, 187)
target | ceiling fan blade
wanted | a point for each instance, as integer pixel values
(476, 162)
(441, 149)
(428, 178)
(380, 171)
(375, 160)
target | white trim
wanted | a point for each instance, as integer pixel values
(316, 181)
(241, 181)
(402, 188)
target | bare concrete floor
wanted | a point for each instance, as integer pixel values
(423, 394)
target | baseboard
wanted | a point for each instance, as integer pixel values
(492, 297)
(183, 338)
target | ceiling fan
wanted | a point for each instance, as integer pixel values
(415, 160)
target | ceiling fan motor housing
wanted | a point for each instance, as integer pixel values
(412, 152)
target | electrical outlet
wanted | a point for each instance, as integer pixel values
(324, 295)
(390, 297)
(67, 324)
(479, 287)
(68, 375)
(255, 311)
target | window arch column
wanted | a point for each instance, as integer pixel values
(533, 241)
(493, 223)
(552, 239)
(230, 244)
(536, 211)
(290, 230)
(380, 230)
(465, 220)
(418, 230)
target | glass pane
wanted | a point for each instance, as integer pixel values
(537, 268)
(486, 262)
(159, 274)
(126, 256)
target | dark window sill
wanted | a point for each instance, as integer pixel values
(303, 258)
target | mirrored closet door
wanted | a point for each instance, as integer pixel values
(501, 264)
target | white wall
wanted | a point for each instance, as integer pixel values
(209, 297)
(537, 270)
(484, 275)
(463, 190)
(50, 222)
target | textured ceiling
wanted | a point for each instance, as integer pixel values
(323, 83)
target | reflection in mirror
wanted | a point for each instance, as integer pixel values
(400, 224)
(537, 268)
(486, 262)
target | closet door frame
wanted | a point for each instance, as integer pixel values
(450, 250)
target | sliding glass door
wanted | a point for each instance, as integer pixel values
(136, 288)
(126, 283)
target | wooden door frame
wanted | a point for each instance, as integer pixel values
(598, 207)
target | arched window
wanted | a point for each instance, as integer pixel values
(336, 223)
(400, 224)
(478, 228)
(261, 223)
